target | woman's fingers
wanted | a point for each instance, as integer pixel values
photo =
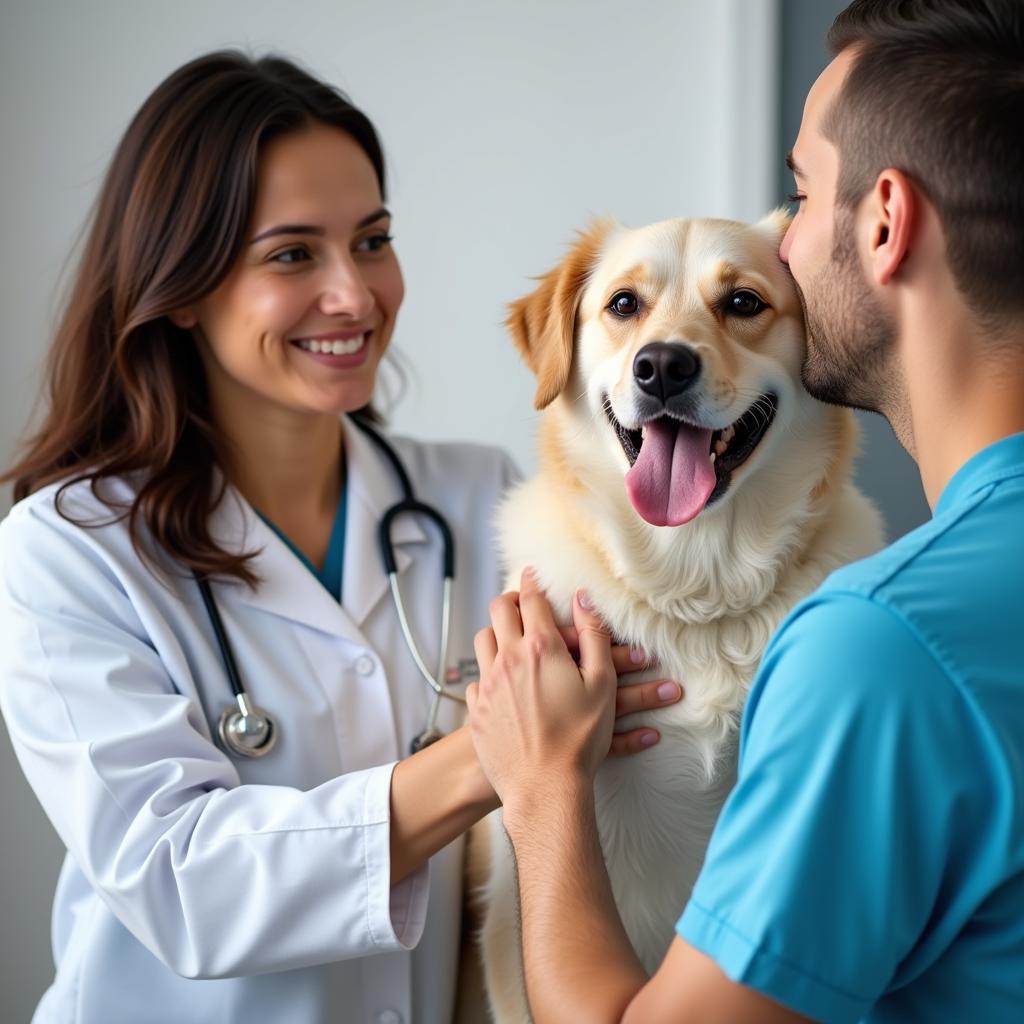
(632, 742)
(658, 693)
(626, 659)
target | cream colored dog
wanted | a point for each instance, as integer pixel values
(692, 487)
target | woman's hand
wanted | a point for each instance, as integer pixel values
(536, 714)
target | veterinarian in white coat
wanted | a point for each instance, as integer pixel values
(201, 885)
(185, 861)
(236, 293)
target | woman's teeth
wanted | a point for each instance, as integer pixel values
(334, 348)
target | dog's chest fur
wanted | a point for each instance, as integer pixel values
(656, 809)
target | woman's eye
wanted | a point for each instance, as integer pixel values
(745, 303)
(624, 303)
(296, 254)
(374, 243)
(796, 197)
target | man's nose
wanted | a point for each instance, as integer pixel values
(785, 244)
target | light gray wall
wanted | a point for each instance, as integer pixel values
(884, 470)
(507, 126)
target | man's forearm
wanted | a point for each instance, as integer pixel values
(579, 964)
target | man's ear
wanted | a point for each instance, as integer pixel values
(892, 212)
(543, 323)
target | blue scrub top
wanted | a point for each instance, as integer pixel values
(869, 864)
(331, 574)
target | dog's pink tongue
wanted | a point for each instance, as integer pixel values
(673, 476)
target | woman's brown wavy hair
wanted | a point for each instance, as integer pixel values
(126, 387)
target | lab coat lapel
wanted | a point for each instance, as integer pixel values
(373, 488)
(287, 588)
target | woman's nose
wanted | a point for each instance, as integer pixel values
(345, 292)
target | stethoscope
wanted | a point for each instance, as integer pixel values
(245, 729)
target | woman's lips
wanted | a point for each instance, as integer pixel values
(336, 350)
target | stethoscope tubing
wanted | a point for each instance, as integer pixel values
(409, 505)
(249, 731)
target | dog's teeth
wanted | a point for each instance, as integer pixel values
(714, 455)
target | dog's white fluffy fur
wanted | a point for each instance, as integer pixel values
(702, 598)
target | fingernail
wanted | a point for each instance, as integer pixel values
(637, 655)
(667, 691)
(584, 599)
(649, 738)
(530, 573)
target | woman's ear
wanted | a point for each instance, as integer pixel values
(183, 318)
(543, 323)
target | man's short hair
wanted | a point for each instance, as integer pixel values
(937, 92)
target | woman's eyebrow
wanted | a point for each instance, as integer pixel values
(376, 215)
(312, 229)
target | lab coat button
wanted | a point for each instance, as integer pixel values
(389, 1017)
(365, 667)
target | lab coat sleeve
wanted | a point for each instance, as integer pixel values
(214, 877)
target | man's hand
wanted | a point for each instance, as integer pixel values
(631, 697)
(536, 715)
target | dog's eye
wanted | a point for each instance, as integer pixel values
(624, 304)
(744, 303)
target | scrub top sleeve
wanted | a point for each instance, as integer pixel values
(215, 878)
(839, 853)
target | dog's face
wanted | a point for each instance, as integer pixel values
(680, 345)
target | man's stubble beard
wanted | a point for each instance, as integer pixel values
(851, 342)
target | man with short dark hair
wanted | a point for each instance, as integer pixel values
(869, 864)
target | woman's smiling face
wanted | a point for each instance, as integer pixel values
(304, 317)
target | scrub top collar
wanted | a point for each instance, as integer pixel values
(999, 461)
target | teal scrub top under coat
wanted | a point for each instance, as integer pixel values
(869, 864)
(331, 574)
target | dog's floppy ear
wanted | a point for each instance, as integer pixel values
(543, 323)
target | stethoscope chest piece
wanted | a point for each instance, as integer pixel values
(246, 730)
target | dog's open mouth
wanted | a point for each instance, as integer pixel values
(677, 469)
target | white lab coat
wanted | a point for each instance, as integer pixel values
(268, 879)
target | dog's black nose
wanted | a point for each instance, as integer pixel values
(664, 370)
